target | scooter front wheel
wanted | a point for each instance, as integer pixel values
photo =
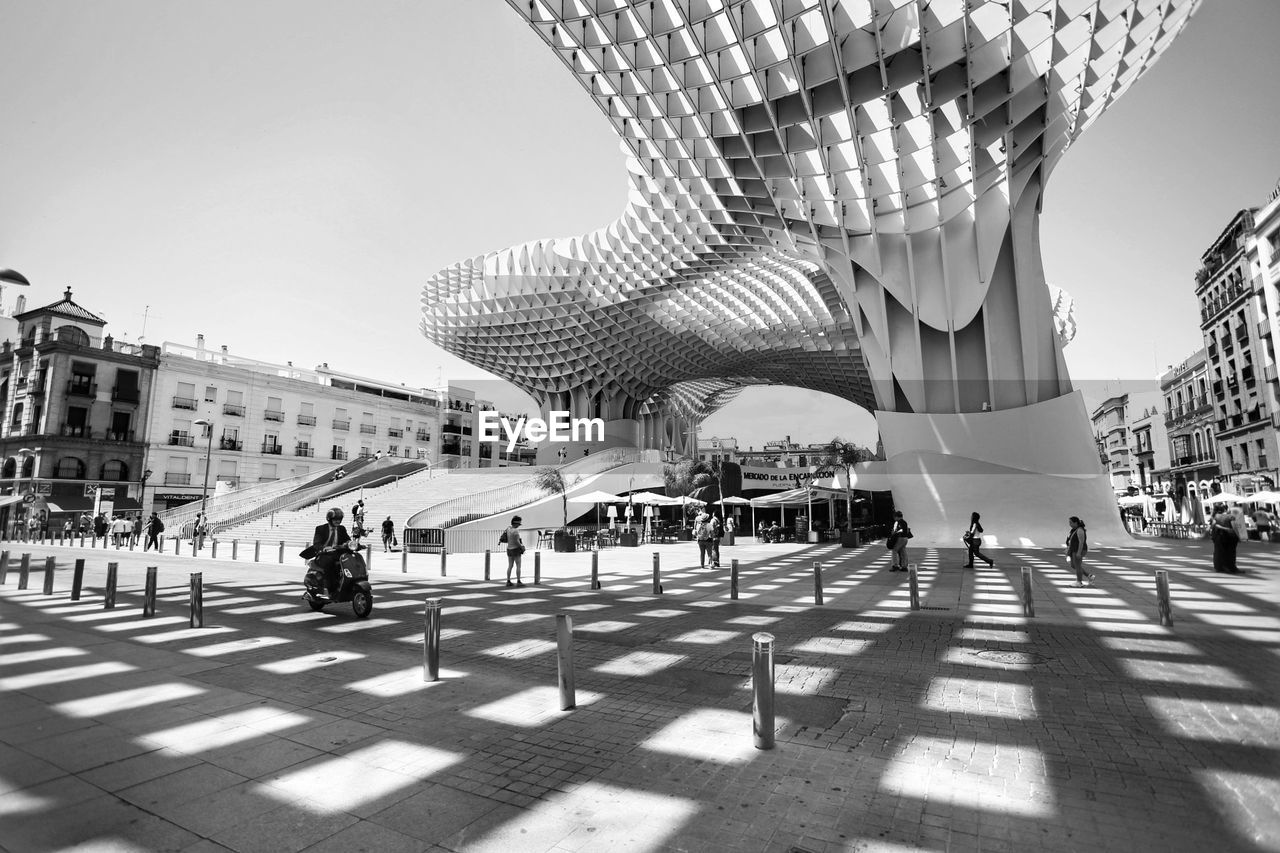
(315, 604)
(362, 603)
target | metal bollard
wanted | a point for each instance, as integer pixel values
(149, 597)
(77, 580)
(93, 541)
(281, 553)
(1162, 598)
(431, 640)
(48, 576)
(1028, 606)
(82, 539)
(817, 583)
(487, 557)
(657, 574)
(564, 661)
(733, 579)
(762, 721)
(177, 546)
(131, 541)
(160, 544)
(109, 595)
(4, 566)
(368, 558)
(914, 583)
(24, 571)
(595, 569)
(197, 599)
(235, 548)
(444, 560)
(404, 560)
(213, 552)
(537, 567)
(257, 550)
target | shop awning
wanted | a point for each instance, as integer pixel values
(10, 500)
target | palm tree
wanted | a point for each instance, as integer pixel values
(839, 453)
(551, 480)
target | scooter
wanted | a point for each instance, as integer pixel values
(353, 585)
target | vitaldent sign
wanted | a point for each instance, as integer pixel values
(561, 427)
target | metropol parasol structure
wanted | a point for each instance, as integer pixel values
(841, 195)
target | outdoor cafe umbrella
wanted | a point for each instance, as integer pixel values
(744, 502)
(596, 498)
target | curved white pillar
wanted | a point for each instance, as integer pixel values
(1027, 470)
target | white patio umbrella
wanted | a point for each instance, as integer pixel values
(596, 498)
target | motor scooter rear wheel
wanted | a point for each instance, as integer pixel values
(362, 603)
(315, 605)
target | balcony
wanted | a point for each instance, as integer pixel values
(81, 388)
(451, 450)
(184, 403)
(340, 455)
(451, 429)
(233, 410)
(306, 452)
(306, 420)
(124, 395)
(1269, 372)
(182, 441)
(423, 435)
(395, 433)
(368, 429)
(1264, 329)
(1242, 334)
(119, 435)
(273, 415)
(230, 444)
(37, 388)
(75, 431)
(173, 479)
(342, 425)
(271, 449)
(466, 430)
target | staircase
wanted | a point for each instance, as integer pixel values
(400, 500)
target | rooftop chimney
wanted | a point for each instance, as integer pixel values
(199, 343)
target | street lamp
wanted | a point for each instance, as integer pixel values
(208, 458)
(26, 453)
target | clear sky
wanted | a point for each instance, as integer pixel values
(282, 176)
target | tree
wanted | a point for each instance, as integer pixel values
(839, 453)
(551, 480)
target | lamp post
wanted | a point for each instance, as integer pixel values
(204, 492)
(142, 491)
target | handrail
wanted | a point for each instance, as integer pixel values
(505, 498)
(219, 507)
(312, 495)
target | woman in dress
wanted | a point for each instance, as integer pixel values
(1077, 547)
(973, 539)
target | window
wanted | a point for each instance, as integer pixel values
(185, 398)
(16, 423)
(274, 410)
(1244, 455)
(269, 471)
(393, 450)
(114, 469)
(121, 427)
(234, 405)
(77, 424)
(72, 335)
(227, 471)
(69, 468)
(210, 394)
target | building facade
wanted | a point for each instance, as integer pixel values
(1149, 444)
(260, 421)
(716, 449)
(1111, 434)
(1190, 420)
(1264, 262)
(1232, 316)
(75, 410)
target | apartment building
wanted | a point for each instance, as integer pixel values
(1233, 314)
(259, 421)
(714, 449)
(75, 407)
(1150, 448)
(1190, 421)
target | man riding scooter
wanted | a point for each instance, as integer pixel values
(327, 544)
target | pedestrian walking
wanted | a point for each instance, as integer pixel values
(135, 533)
(703, 534)
(1225, 540)
(154, 528)
(388, 533)
(1263, 522)
(1077, 547)
(897, 542)
(717, 533)
(973, 541)
(515, 549)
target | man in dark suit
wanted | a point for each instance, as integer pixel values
(327, 545)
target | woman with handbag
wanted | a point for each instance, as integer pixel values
(973, 541)
(515, 548)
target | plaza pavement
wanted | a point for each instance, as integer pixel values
(963, 726)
